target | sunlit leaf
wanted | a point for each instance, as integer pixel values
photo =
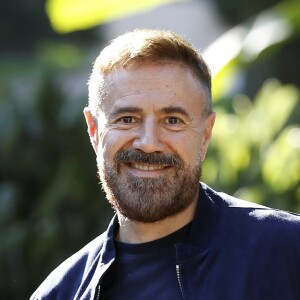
(71, 15)
(270, 116)
(225, 79)
(290, 10)
(243, 44)
(281, 166)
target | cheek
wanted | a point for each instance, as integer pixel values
(111, 141)
(188, 147)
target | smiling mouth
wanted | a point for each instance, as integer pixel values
(147, 167)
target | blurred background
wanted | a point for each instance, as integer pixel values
(51, 203)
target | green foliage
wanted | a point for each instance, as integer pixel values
(242, 48)
(50, 202)
(255, 147)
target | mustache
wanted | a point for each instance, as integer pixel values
(154, 158)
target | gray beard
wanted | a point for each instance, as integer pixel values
(150, 200)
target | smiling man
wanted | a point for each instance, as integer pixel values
(153, 134)
(150, 121)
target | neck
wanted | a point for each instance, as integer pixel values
(134, 232)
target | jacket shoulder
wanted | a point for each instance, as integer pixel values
(260, 212)
(273, 225)
(70, 273)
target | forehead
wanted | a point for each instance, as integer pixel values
(154, 84)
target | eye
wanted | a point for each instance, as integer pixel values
(127, 120)
(173, 120)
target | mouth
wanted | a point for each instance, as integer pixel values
(146, 167)
(142, 164)
(146, 170)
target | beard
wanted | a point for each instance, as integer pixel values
(149, 200)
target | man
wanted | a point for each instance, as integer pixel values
(150, 121)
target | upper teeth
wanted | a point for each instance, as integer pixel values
(147, 167)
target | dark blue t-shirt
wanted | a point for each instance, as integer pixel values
(144, 271)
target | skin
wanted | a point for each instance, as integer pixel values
(152, 108)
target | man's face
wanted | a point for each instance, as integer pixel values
(150, 140)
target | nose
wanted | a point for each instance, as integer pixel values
(148, 138)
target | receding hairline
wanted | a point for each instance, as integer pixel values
(109, 79)
(145, 46)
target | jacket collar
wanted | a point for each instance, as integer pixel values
(207, 217)
(205, 224)
(203, 229)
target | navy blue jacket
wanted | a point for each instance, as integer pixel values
(236, 250)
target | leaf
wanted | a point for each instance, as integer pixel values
(242, 45)
(281, 167)
(71, 15)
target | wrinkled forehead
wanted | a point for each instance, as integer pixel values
(103, 89)
(169, 84)
(136, 77)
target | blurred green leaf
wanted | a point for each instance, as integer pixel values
(273, 107)
(281, 164)
(60, 55)
(67, 15)
(245, 43)
(257, 149)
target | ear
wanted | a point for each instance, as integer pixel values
(92, 127)
(207, 132)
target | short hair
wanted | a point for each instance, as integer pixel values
(146, 46)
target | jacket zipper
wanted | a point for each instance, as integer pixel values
(97, 293)
(178, 273)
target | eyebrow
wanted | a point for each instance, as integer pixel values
(126, 109)
(175, 109)
(133, 109)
